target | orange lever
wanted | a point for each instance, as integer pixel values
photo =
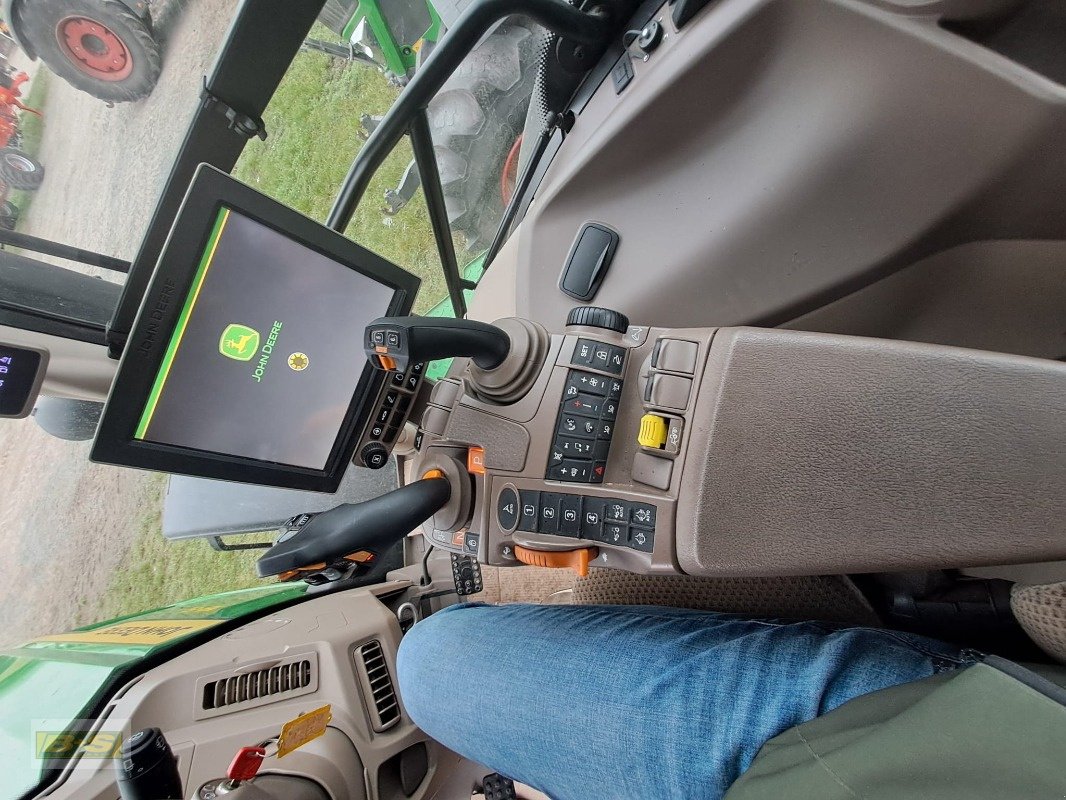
(578, 560)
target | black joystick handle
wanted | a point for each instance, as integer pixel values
(147, 768)
(372, 526)
(394, 342)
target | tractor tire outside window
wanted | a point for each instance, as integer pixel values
(475, 120)
(20, 171)
(98, 46)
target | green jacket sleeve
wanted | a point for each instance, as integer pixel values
(992, 730)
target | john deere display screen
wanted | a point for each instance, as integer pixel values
(268, 350)
(247, 358)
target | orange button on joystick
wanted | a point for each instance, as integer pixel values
(578, 560)
(475, 460)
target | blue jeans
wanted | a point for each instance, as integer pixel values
(591, 702)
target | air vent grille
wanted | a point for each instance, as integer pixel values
(381, 699)
(257, 685)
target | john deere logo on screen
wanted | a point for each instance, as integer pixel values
(239, 342)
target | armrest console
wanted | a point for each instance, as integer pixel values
(746, 451)
(818, 453)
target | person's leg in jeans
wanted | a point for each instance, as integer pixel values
(636, 702)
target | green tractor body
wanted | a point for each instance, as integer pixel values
(396, 34)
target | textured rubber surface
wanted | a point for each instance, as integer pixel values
(1041, 611)
(38, 23)
(831, 598)
(497, 787)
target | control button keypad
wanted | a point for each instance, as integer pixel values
(596, 519)
(391, 414)
(599, 355)
(586, 422)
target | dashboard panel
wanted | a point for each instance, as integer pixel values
(194, 699)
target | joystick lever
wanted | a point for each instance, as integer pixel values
(393, 343)
(374, 526)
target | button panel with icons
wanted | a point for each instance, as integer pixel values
(454, 540)
(585, 425)
(466, 574)
(599, 355)
(668, 381)
(386, 345)
(395, 403)
(507, 509)
(393, 408)
(597, 519)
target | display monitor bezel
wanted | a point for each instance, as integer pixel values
(143, 353)
(34, 387)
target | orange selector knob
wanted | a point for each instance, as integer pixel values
(577, 560)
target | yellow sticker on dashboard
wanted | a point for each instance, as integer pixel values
(303, 729)
(138, 632)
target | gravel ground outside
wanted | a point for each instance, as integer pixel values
(68, 524)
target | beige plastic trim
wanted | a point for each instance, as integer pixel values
(1005, 296)
(832, 142)
(347, 760)
(823, 454)
(1046, 572)
(372, 648)
(496, 294)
